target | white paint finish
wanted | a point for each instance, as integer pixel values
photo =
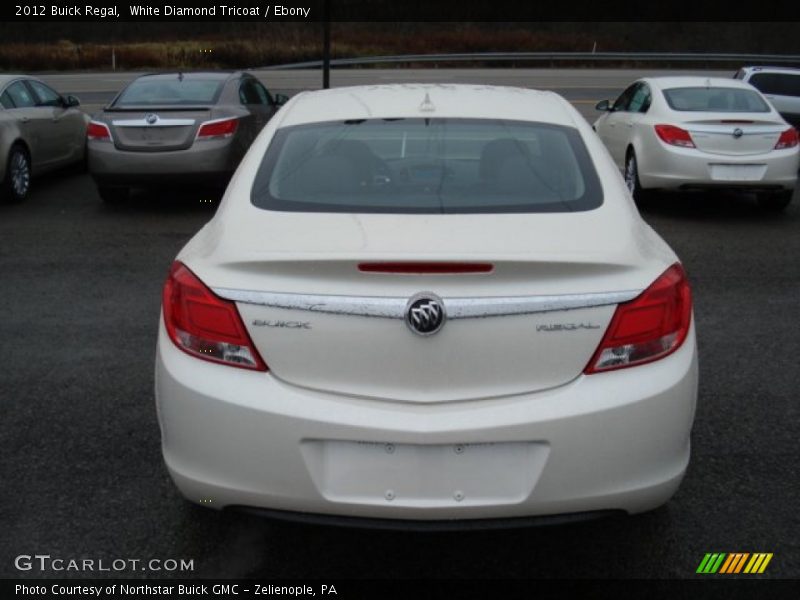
(665, 166)
(615, 440)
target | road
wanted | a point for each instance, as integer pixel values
(81, 468)
(583, 87)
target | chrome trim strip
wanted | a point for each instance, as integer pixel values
(159, 123)
(728, 129)
(395, 308)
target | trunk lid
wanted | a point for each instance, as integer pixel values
(729, 136)
(322, 323)
(156, 129)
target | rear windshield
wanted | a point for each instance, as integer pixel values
(715, 99)
(167, 92)
(777, 84)
(430, 165)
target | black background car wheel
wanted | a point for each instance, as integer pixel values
(776, 201)
(632, 178)
(17, 183)
(113, 194)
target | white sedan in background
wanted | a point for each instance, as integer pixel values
(697, 133)
(425, 303)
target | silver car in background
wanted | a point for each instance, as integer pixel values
(40, 130)
(177, 130)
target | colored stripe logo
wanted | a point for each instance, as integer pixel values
(734, 563)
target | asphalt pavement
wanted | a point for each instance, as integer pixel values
(81, 468)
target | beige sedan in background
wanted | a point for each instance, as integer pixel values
(40, 130)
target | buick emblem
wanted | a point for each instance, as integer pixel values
(425, 314)
(737, 133)
(151, 119)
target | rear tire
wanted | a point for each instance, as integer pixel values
(639, 194)
(17, 184)
(775, 202)
(113, 194)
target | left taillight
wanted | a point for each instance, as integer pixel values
(204, 325)
(674, 136)
(98, 131)
(649, 327)
(788, 139)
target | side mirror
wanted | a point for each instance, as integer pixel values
(70, 101)
(281, 99)
(603, 105)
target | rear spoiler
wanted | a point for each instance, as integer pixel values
(167, 108)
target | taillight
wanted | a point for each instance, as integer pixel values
(204, 325)
(675, 136)
(221, 128)
(788, 139)
(98, 131)
(649, 327)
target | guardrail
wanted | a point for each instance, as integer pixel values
(665, 57)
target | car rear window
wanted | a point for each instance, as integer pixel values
(777, 84)
(167, 92)
(715, 99)
(432, 165)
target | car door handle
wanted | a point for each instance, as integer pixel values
(629, 123)
(24, 119)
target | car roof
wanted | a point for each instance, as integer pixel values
(4, 79)
(665, 83)
(785, 70)
(428, 100)
(219, 75)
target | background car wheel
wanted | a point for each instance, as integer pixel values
(113, 195)
(775, 202)
(18, 175)
(632, 178)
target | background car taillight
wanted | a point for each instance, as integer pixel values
(649, 327)
(675, 136)
(98, 131)
(204, 325)
(788, 139)
(222, 128)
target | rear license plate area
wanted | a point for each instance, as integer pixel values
(425, 475)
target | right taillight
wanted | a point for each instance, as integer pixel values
(204, 325)
(788, 139)
(221, 128)
(98, 131)
(674, 136)
(649, 327)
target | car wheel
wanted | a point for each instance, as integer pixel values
(775, 202)
(17, 184)
(632, 178)
(113, 194)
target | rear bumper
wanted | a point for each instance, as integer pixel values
(432, 525)
(207, 161)
(663, 167)
(611, 441)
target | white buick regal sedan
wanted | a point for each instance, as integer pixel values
(700, 133)
(427, 303)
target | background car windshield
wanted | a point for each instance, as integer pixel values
(161, 92)
(427, 166)
(714, 99)
(779, 84)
